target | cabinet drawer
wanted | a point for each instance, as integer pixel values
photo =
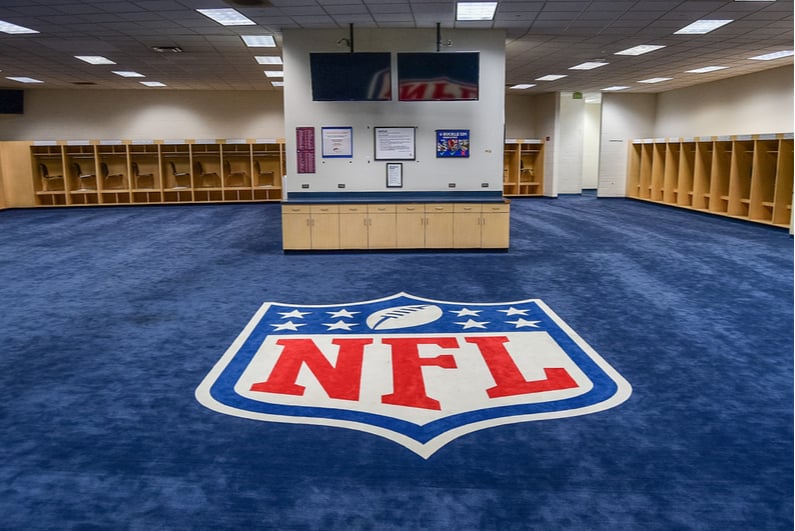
(353, 209)
(295, 209)
(381, 209)
(438, 208)
(324, 209)
(467, 207)
(410, 209)
(496, 207)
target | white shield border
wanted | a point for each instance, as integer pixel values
(204, 396)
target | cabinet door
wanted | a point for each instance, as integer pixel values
(325, 226)
(438, 226)
(495, 226)
(410, 231)
(382, 230)
(296, 227)
(353, 227)
(466, 225)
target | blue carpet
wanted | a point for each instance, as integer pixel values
(112, 316)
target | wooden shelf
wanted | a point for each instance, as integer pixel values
(523, 168)
(742, 177)
(126, 172)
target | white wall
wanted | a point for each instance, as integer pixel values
(484, 118)
(750, 104)
(145, 114)
(592, 127)
(624, 117)
(569, 140)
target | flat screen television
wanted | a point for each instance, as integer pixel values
(438, 76)
(12, 101)
(357, 76)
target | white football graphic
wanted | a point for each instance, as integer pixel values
(403, 316)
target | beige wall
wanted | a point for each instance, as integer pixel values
(145, 114)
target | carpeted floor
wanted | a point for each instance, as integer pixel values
(111, 317)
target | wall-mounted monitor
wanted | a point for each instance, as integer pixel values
(12, 101)
(358, 76)
(438, 76)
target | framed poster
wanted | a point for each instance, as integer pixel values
(337, 142)
(305, 149)
(394, 174)
(394, 143)
(452, 143)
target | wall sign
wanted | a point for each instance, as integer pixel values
(394, 174)
(452, 143)
(337, 142)
(395, 143)
(305, 149)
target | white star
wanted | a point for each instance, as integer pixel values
(473, 324)
(514, 311)
(295, 313)
(340, 325)
(342, 313)
(289, 325)
(465, 311)
(522, 322)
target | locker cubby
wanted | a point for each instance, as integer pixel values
(747, 177)
(523, 168)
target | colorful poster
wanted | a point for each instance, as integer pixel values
(452, 143)
(305, 149)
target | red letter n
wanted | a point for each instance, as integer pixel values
(342, 381)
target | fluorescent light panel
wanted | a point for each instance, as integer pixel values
(550, 77)
(475, 10)
(259, 41)
(700, 27)
(152, 83)
(227, 17)
(13, 29)
(274, 73)
(126, 73)
(771, 56)
(705, 69)
(277, 83)
(25, 79)
(656, 80)
(523, 86)
(588, 65)
(269, 59)
(614, 88)
(95, 59)
(640, 49)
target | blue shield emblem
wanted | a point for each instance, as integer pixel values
(420, 372)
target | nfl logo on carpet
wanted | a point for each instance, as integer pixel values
(420, 372)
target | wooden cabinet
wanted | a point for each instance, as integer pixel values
(523, 168)
(747, 176)
(396, 226)
(134, 172)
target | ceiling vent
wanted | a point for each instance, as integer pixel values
(83, 83)
(167, 49)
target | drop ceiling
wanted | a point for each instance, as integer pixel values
(542, 38)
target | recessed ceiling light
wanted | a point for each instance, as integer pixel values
(705, 69)
(125, 73)
(588, 66)
(95, 59)
(13, 29)
(614, 88)
(274, 73)
(152, 83)
(269, 59)
(550, 77)
(522, 86)
(259, 41)
(771, 56)
(640, 49)
(227, 17)
(656, 80)
(700, 27)
(25, 79)
(475, 10)
(277, 83)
